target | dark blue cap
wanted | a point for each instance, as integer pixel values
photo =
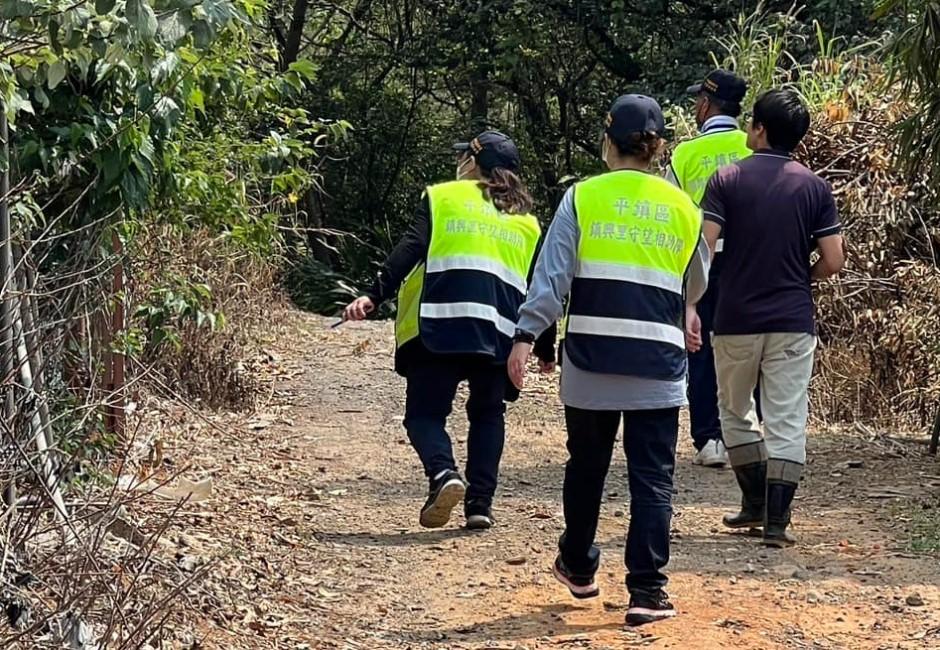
(635, 114)
(492, 149)
(723, 85)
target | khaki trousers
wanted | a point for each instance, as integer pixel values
(783, 363)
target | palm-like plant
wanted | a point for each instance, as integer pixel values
(914, 57)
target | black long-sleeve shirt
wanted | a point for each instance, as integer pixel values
(411, 250)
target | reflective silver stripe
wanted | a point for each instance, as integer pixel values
(720, 245)
(626, 328)
(468, 310)
(628, 273)
(485, 264)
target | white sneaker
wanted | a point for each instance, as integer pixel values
(713, 454)
(722, 453)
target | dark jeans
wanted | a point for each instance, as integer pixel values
(704, 418)
(432, 385)
(649, 441)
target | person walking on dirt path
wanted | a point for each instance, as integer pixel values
(720, 142)
(626, 248)
(461, 273)
(773, 213)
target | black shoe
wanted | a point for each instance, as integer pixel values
(581, 587)
(752, 480)
(779, 499)
(479, 515)
(443, 496)
(649, 608)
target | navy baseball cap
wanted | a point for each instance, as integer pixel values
(631, 114)
(723, 85)
(492, 149)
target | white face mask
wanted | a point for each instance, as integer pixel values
(462, 167)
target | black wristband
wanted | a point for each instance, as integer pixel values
(523, 337)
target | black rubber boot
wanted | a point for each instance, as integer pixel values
(779, 499)
(752, 480)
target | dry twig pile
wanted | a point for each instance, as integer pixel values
(879, 353)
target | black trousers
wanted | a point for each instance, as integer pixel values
(649, 441)
(432, 384)
(703, 381)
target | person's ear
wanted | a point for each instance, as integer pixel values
(701, 107)
(755, 135)
(465, 166)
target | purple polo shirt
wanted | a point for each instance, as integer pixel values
(772, 210)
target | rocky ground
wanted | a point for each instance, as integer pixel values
(310, 539)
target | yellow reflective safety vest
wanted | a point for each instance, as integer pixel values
(638, 233)
(694, 161)
(465, 297)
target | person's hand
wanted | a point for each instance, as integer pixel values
(693, 329)
(518, 359)
(359, 308)
(546, 367)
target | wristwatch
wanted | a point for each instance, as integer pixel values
(523, 337)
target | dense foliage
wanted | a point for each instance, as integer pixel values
(138, 123)
(915, 55)
(414, 77)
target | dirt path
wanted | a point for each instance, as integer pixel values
(314, 530)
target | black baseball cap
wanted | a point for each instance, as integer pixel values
(631, 114)
(723, 85)
(492, 149)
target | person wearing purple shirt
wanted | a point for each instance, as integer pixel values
(773, 214)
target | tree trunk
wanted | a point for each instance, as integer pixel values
(545, 143)
(479, 99)
(295, 34)
(314, 224)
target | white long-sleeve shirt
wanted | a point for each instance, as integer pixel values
(551, 282)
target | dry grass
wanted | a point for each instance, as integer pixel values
(212, 365)
(880, 356)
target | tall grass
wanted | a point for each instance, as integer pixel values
(774, 50)
(757, 48)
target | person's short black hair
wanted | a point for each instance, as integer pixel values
(784, 116)
(731, 109)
